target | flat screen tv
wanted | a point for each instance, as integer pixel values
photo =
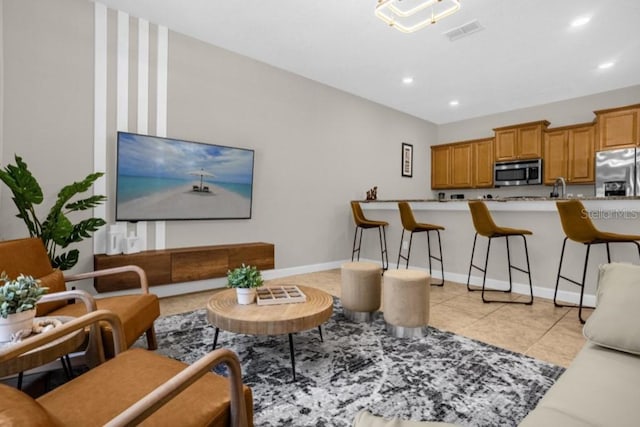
(172, 179)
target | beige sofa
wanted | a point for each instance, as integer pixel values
(601, 387)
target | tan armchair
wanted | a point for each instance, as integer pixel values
(136, 312)
(136, 386)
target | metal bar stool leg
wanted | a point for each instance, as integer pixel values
(436, 258)
(608, 254)
(509, 263)
(400, 250)
(584, 277)
(486, 264)
(383, 248)
(471, 263)
(526, 255)
(555, 293)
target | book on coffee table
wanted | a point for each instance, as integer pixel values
(286, 294)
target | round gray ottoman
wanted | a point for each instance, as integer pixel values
(406, 302)
(360, 290)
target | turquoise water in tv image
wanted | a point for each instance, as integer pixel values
(135, 187)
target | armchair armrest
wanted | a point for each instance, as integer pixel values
(12, 351)
(94, 352)
(146, 406)
(144, 284)
(84, 296)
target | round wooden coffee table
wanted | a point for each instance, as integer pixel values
(225, 313)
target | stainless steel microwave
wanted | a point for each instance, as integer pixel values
(519, 172)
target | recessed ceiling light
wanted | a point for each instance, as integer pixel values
(454, 102)
(579, 22)
(606, 65)
(407, 80)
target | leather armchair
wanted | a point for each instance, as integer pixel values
(136, 386)
(136, 312)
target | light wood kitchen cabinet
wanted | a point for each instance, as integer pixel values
(483, 163)
(465, 164)
(461, 166)
(569, 152)
(582, 154)
(523, 141)
(554, 160)
(618, 127)
(440, 167)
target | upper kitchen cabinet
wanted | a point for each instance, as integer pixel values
(483, 163)
(618, 127)
(569, 153)
(467, 164)
(451, 166)
(523, 141)
(440, 167)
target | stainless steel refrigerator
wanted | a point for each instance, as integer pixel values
(618, 172)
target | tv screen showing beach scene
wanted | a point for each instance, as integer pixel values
(171, 179)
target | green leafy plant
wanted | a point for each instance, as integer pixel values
(57, 230)
(19, 295)
(244, 277)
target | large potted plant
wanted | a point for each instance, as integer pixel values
(18, 305)
(56, 231)
(245, 279)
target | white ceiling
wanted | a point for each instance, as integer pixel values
(528, 54)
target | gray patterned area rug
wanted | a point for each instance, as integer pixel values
(442, 377)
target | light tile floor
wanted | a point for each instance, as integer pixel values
(540, 330)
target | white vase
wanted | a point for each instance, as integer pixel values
(15, 323)
(245, 295)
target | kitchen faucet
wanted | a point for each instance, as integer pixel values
(559, 180)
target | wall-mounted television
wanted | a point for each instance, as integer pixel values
(172, 179)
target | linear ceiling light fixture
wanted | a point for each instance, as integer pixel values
(412, 15)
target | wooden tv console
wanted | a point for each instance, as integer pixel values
(182, 264)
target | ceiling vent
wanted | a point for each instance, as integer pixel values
(464, 30)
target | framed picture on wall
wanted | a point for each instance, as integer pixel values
(407, 159)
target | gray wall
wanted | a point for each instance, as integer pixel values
(47, 97)
(316, 147)
(561, 113)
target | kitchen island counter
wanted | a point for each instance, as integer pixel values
(538, 214)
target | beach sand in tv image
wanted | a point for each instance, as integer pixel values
(160, 178)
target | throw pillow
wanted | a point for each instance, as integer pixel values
(614, 323)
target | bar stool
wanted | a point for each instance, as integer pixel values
(362, 224)
(410, 224)
(485, 226)
(579, 228)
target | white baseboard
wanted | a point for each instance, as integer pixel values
(206, 285)
(570, 297)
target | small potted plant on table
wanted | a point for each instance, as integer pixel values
(245, 279)
(18, 305)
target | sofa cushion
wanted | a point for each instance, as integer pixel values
(98, 395)
(600, 386)
(550, 417)
(614, 323)
(365, 419)
(55, 282)
(18, 409)
(137, 313)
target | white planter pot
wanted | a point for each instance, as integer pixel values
(245, 295)
(15, 323)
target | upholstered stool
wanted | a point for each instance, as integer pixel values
(405, 300)
(360, 290)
